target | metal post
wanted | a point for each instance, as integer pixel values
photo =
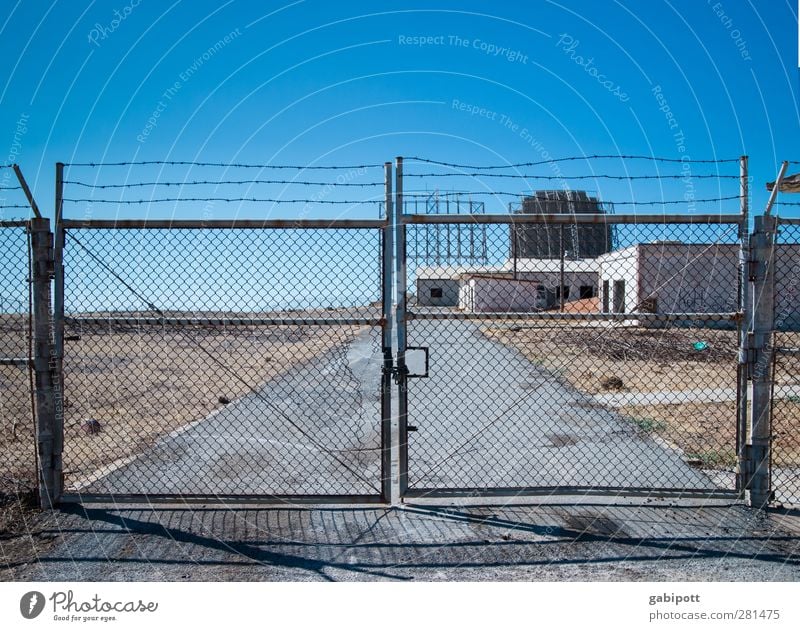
(58, 317)
(776, 187)
(386, 382)
(58, 260)
(561, 271)
(514, 247)
(745, 308)
(47, 449)
(400, 314)
(758, 447)
(26, 189)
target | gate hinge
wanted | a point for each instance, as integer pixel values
(746, 467)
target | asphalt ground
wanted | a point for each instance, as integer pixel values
(581, 539)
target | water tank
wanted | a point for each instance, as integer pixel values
(580, 241)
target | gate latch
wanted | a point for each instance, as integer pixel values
(415, 366)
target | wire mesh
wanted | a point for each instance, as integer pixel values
(588, 356)
(18, 451)
(786, 374)
(222, 362)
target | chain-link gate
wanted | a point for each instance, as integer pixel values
(551, 353)
(535, 352)
(785, 451)
(16, 379)
(224, 360)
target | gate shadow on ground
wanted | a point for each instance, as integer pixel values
(412, 542)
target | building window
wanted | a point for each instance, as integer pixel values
(587, 291)
(436, 292)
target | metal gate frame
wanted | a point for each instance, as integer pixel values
(755, 318)
(53, 423)
(750, 468)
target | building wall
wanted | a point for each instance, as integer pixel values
(448, 287)
(689, 278)
(481, 295)
(787, 287)
(621, 265)
(572, 280)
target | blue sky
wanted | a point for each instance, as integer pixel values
(314, 82)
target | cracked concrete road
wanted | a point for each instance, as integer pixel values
(580, 540)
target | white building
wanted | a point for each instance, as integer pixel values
(670, 277)
(524, 285)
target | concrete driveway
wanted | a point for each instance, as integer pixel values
(487, 417)
(315, 429)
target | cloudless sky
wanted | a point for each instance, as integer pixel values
(317, 82)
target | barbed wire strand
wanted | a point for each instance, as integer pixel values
(576, 177)
(219, 199)
(568, 159)
(331, 201)
(238, 165)
(220, 183)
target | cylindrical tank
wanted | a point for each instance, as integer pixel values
(580, 241)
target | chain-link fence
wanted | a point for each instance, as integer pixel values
(556, 347)
(17, 435)
(786, 374)
(573, 355)
(223, 361)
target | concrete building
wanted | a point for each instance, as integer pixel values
(492, 293)
(521, 285)
(670, 277)
(438, 286)
(580, 277)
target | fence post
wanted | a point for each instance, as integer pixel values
(400, 315)
(45, 381)
(745, 309)
(386, 379)
(760, 435)
(58, 269)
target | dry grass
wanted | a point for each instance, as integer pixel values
(647, 360)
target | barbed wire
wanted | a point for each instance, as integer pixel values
(569, 159)
(367, 201)
(577, 177)
(532, 196)
(14, 206)
(220, 199)
(238, 165)
(221, 182)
